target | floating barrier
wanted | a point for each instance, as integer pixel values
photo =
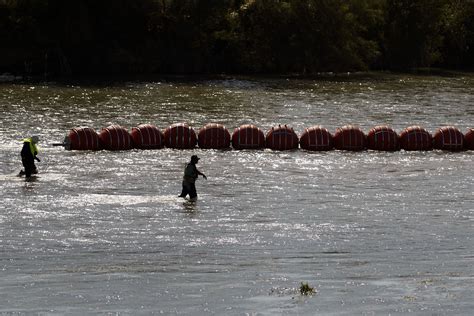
(248, 137)
(350, 138)
(180, 136)
(316, 138)
(147, 136)
(115, 137)
(448, 138)
(383, 138)
(469, 139)
(416, 138)
(82, 138)
(214, 136)
(281, 138)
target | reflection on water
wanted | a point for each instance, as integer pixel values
(373, 232)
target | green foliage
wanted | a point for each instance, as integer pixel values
(457, 50)
(413, 33)
(58, 38)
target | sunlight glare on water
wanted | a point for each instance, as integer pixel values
(373, 232)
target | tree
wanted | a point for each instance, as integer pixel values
(413, 33)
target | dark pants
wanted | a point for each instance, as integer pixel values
(30, 167)
(188, 188)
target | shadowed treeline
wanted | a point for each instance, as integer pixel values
(83, 37)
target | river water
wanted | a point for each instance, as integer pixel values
(104, 232)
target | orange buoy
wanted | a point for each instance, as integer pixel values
(248, 136)
(350, 138)
(147, 136)
(115, 137)
(448, 138)
(416, 138)
(213, 136)
(281, 138)
(383, 138)
(469, 139)
(180, 136)
(82, 138)
(316, 138)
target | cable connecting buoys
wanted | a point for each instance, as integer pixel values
(350, 138)
(416, 138)
(180, 136)
(448, 138)
(82, 138)
(281, 138)
(147, 136)
(383, 138)
(469, 139)
(316, 138)
(213, 136)
(248, 137)
(115, 137)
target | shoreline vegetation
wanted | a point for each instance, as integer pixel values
(105, 79)
(62, 40)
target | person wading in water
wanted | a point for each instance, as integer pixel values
(28, 156)
(191, 173)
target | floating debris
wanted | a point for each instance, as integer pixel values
(305, 289)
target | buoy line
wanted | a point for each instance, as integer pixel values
(280, 137)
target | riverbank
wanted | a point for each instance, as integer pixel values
(117, 79)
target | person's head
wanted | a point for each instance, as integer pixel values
(35, 139)
(194, 159)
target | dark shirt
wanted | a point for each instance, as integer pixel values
(190, 173)
(26, 152)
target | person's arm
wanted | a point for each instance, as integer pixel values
(200, 173)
